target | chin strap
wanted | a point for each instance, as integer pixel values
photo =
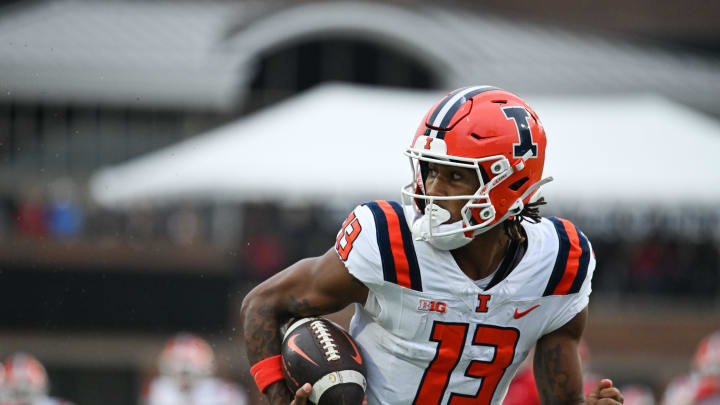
(433, 223)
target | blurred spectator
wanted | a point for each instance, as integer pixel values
(655, 253)
(26, 382)
(645, 265)
(31, 219)
(64, 215)
(141, 224)
(226, 225)
(7, 213)
(265, 255)
(184, 226)
(187, 366)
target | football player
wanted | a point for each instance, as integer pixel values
(638, 394)
(455, 285)
(187, 365)
(706, 365)
(26, 382)
(702, 385)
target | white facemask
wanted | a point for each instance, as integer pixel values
(432, 222)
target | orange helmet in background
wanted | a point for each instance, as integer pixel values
(187, 357)
(25, 379)
(707, 355)
(496, 134)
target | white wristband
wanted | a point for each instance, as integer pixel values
(335, 378)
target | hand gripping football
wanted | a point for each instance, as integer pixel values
(316, 351)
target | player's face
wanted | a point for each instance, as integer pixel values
(444, 181)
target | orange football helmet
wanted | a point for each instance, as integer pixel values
(187, 357)
(494, 133)
(25, 379)
(707, 355)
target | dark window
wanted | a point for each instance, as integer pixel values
(289, 70)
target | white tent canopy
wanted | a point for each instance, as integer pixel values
(342, 142)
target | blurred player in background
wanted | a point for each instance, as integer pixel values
(26, 382)
(679, 391)
(187, 367)
(523, 390)
(455, 285)
(706, 365)
(638, 394)
(2, 383)
(702, 385)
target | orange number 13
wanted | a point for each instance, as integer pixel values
(451, 341)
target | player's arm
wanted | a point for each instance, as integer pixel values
(557, 368)
(312, 286)
(558, 371)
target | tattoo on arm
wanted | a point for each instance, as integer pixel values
(263, 338)
(263, 326)
(262, 334)
(553, 378)
(301, 308)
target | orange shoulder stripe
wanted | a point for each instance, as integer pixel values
(573, 260)
(402, 267)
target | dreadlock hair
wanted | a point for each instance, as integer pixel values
(530, 213)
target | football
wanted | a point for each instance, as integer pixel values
(319, 352)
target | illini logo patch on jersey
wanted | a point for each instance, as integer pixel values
(431, 306)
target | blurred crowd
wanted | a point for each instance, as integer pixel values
(642, 253)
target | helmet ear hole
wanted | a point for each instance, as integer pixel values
(482, 215)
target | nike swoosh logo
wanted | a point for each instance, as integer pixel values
(518, 315)
(293, 346)
(356, 357)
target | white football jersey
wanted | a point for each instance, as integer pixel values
(429, 334)
(208, 391)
